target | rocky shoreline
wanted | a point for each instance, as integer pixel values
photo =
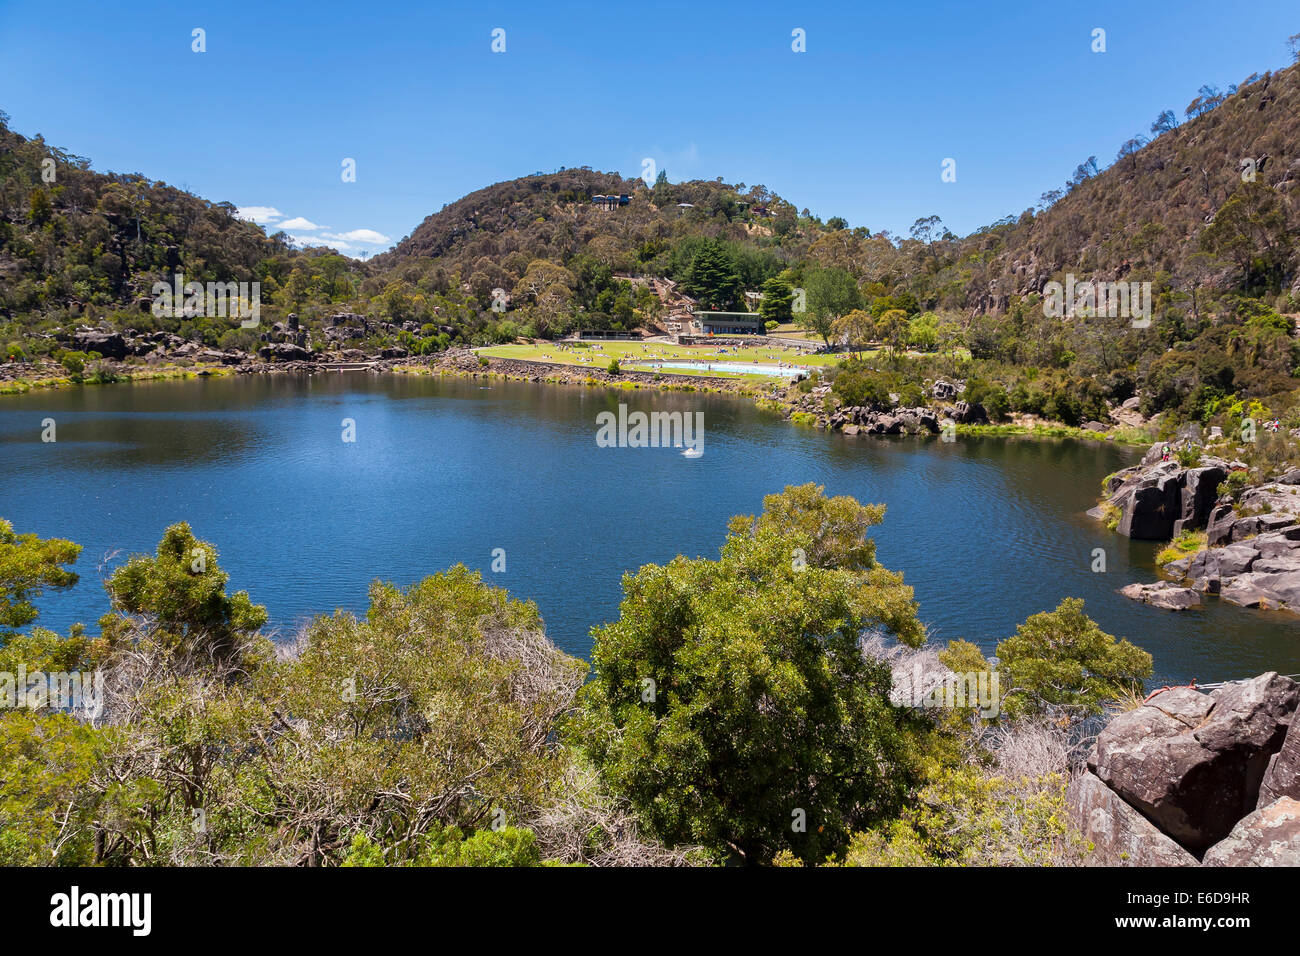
(1251, 553)
(287, 348)
(452, 362)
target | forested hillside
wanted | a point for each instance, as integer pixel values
(1154, 212)
(1206, 213)
(1213, 199)
(73, 239)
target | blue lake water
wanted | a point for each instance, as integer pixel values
(988, 531)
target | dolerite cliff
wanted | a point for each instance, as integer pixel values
(1158, 500)
(1192, 778)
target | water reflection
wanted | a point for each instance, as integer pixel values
(988, 531)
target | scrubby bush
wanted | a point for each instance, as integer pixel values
(1232, 486)
(864, 387)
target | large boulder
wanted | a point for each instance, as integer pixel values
(1284, 585)
(917, 420)
(1281, 564)
(1264, 589)
(1273, 544)
(1230, 561)
(1155, 453)
(944, 390)
(111, 345)
(1119, 835)
(968, 413)
(1192, 763)
(1282, 778)
(1242, 592)
(1163, 594)
(285, 352)
(1270, 836)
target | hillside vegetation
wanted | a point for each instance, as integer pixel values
(443, 727)
(1205, 212)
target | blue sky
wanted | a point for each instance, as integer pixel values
(856, 126)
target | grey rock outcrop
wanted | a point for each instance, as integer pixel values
(898, 421)
(945, 390)
(1163, 594)
(1261, 571)
(111, 345)
(1191, 776)
(1193, 763)
(285, 352)
(968, 413)
(1199, 493)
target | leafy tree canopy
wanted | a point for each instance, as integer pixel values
(732, 703)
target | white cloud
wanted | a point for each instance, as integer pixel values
(301, 241)
(364, 236)
(359, 243)
(262, 215)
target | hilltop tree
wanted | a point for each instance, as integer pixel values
(1083, 172)
(1164, 123)
(1047, 199)
(1131, 147)
(927, 229)
(1207, 98)
(662, 189)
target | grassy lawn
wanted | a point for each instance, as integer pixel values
(790, 330)
(629, 354)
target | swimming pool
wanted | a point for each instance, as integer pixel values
(740, 368)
